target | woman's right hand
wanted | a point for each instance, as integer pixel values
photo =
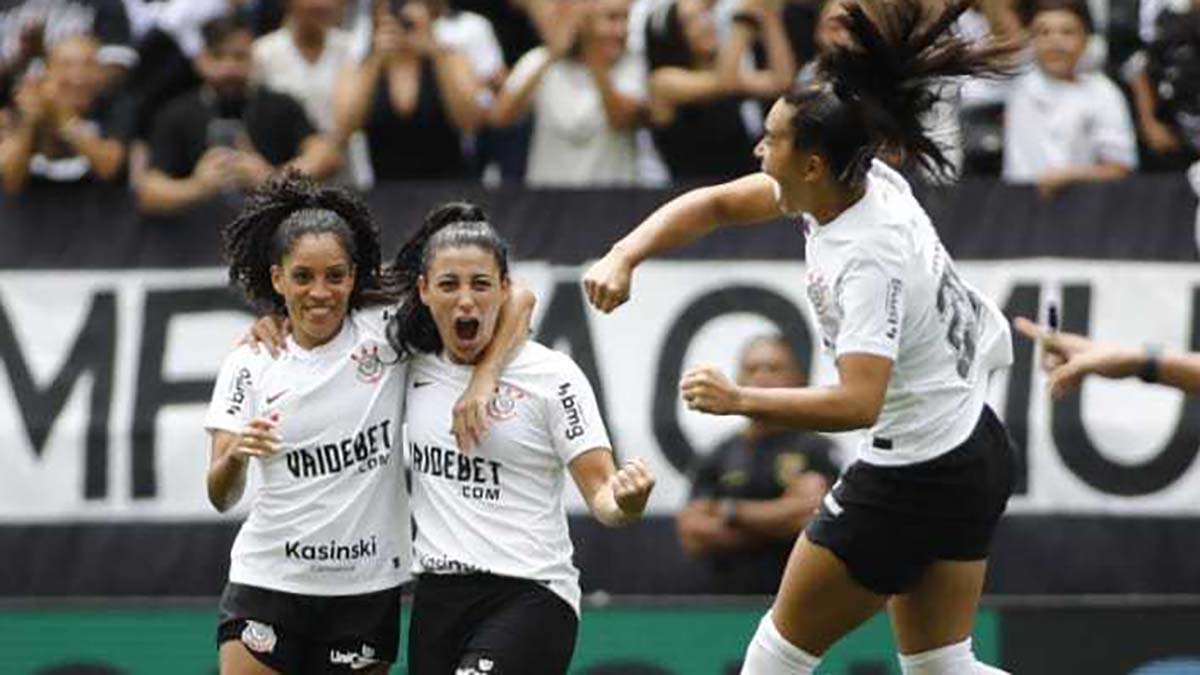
(607, 282)
(269, 331)
(257, 438)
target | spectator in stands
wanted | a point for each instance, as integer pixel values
(59, 133)
(414, 96)
(304, 59)
(1062, 125)
(697, 84)
(587, 94)
(1165, 80)
(26, 27)
(755, 492)
(227, 135)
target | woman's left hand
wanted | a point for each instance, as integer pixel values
(470, 413)
(632, 485)
(706, 389)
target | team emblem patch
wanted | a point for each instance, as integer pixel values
(258, 637)
(370, 366)
(503, 405)
(789, 466)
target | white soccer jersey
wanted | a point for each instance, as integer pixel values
(880, 282)
(500, 508)
(331, 515)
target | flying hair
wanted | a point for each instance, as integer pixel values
(872, 93)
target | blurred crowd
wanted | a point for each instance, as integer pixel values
(184, 100)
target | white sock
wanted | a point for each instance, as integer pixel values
(955, 659)
(770, 654)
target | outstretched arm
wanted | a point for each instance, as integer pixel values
(750, 199)
(1069, 358)
(853, 403)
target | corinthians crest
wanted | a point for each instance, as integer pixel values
(370, 365)
(504, 405)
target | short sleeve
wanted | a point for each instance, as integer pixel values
(233, 402)
(525, 67)
(870, 297)
(1115, 139)
(574, 415)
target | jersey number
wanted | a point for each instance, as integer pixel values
(959, 309)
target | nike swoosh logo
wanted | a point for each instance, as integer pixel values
(272, 399)
(417, 384)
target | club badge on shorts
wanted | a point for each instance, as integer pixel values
(258, 637)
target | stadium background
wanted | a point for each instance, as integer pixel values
(112, 327)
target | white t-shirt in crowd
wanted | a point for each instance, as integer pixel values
(330, 516)
(880, 282)
(500, 508)
(573, 144)
(473, 35)
(1056, 124)
(279, 65)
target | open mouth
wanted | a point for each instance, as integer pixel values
(466, 329)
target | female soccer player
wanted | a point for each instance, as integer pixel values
(497, 591)
(316, 568)
(909, 524)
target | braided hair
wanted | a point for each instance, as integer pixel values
(411, 328)
(282, 211)
(873, 92)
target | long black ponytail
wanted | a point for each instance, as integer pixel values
(873, 92)
(452, 225)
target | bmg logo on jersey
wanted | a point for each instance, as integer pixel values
(572, 412)
(237, 392)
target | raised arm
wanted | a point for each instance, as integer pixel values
(750, 199)
(615, 497)
(229, 455)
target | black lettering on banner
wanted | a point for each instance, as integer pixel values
(731, 300)
(1075, 445)
(347, 448)
(1023, 301)
(333, 458)
(566, 320)
(361, 449)
(94, 354)
(387, 438)
(154, 392)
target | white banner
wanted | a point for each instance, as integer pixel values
(105, 377)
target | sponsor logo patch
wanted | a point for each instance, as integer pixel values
(259, 637)
(237, 392)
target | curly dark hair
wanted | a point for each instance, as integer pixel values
(286, 208)
(872, 93)
(452, 225)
